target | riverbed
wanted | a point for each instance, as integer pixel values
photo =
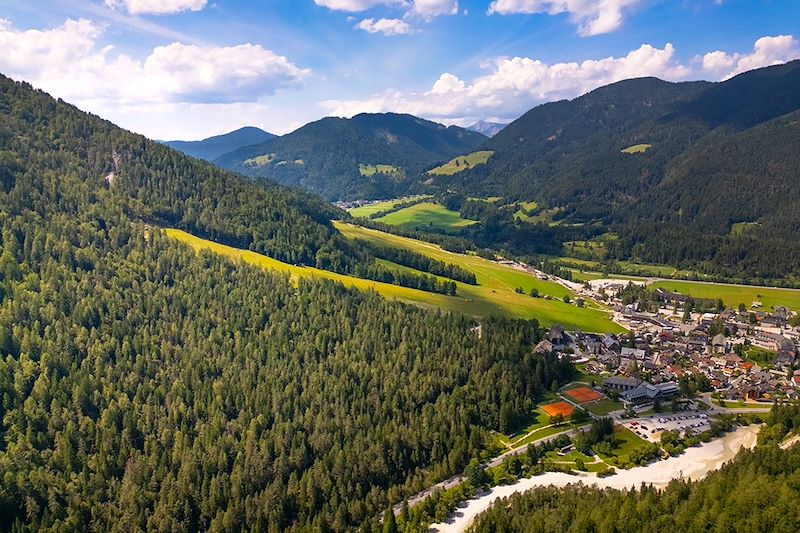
(693, 464)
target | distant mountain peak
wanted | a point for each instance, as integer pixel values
(490, 129)
(213, 147)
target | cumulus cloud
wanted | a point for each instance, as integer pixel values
(67, 62)
(384, 26)
(592, 17)
(428, 9)
(513, 85)
(770, 50)
(156, 7)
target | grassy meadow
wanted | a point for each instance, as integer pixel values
(495, 291)
(733, 295)
(462, 162)
(426, 214)
(366, 211)
(636, 149)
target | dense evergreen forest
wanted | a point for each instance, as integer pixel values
(143, 387)
(759, 491)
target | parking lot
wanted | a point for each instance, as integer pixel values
(650, 428)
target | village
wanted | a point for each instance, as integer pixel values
(680, 348)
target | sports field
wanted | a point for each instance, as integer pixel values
(583, 394)
(426, 215)
(558, 408)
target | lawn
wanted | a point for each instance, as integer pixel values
(760, 356)
(366, 211)
(463, 162)
(733, 295)
(603, 407)
(636, 149)
(495, 291)
(538, 420)
(625, 441)
(426, 215)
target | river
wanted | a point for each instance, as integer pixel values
(693, 464)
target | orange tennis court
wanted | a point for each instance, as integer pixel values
(558, 408)
(584, 395)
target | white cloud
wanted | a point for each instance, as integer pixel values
(357, 5)
(593, 17)
(770, 50)
(67, 62)
(384, 26)
(425, 9)
(428, 9)
(516, 84)
(157, 7)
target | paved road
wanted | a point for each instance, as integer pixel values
(455, 480)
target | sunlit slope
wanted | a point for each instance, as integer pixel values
(497, 284)
(473, 301)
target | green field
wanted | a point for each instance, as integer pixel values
(463, 162)
(495, 291)
(603, 407)
(478, 301)
(260, 161)
(426, 214)
(636, 149)
(366, 211)
(545, 216)
(371, 170)
(738, 228)
(733, 295)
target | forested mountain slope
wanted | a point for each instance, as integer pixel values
(145, 388)
(367, 156)
(669, 168)
(757, 492)
(214, 147)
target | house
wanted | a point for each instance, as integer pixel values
(618, 383)
(544, 347)
(649, 393)
(719, 343)
(633, 353)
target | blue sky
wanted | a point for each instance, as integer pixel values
(192, 68)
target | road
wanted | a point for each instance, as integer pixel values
(455, 480)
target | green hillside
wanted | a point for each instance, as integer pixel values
(668, 167)
(342, 156)
(147, 387)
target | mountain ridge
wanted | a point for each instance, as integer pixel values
(218, 145)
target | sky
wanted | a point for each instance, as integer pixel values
(189, 69)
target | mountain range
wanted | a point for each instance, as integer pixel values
(677, 173)
(367, 156)
(219, 145)
(490, 129)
